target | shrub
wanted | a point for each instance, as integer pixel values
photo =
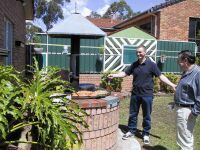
(111, 85)
(156, 85)
(173, 78)
(198, 59)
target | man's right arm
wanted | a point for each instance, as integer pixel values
(117, 75)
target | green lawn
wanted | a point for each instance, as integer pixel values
(163, 133)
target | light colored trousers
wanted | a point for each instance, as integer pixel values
(184, 128)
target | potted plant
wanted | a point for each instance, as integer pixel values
(101, 54)
(29, 103)
(37, 47)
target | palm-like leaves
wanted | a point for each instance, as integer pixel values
(54, 123)
(9, 100)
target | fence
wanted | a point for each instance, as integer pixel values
(57, 51)
(119, 53)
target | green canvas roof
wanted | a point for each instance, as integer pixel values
(133, 32)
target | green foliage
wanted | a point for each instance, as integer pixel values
(160, 86)
(31, 29)
(121, 10)
(49, 11)
(111, 85)
(54, 124)
(10, 97)
(173, 78)
(156, 85)
(101, 50)
(198, 59)
(198, 34)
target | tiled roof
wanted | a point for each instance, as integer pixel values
(104, 22)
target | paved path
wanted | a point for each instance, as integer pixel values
(130, 144)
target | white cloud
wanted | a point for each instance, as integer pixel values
(107, 1)
(102, 10)
(86, 12)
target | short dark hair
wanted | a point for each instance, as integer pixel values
(142, 46)
(187, 54)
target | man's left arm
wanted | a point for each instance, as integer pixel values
(196, 108)
(167, 81)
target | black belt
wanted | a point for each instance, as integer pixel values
(185, 105)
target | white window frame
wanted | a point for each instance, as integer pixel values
(8, 40)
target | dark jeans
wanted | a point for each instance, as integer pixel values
(146, 102)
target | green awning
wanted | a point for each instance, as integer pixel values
(133, 32)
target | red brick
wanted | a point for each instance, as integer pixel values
(96, 122)
(90, 122)
(99, 143)
(105, 120)
(13, 10)
(94, 111)
(92, 134)
(86, 135)
(94, 144)
(101, 121)
(103, 143)
(98, 111)
(98, 133)
(88, 144)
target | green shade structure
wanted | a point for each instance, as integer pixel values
(133, 32)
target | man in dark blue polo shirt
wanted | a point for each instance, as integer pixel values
(143, 71)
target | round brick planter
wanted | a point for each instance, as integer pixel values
(103, 121)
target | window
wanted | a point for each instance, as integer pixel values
(194, 31)
(129, 54)
(146, 27)
(8, 40)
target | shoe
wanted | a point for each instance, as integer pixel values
(127, 135)
(146, 139)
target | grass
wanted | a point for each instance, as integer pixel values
(163, 132)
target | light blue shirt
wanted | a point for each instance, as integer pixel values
(188, 89)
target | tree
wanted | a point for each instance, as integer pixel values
(31, 29)
(49, 11)
(95, 15)
(119, 10)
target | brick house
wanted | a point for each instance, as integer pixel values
(177, 20)
(13, 14)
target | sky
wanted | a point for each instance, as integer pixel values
(85, 7)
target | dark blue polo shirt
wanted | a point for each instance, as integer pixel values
(143, 77)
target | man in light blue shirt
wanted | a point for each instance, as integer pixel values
(187, 100)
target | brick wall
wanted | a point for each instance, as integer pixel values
(102, 131)
(102, 120)
(174, 20)
(13, 11)
(96, 78)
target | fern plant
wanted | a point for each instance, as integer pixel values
(54, 125)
